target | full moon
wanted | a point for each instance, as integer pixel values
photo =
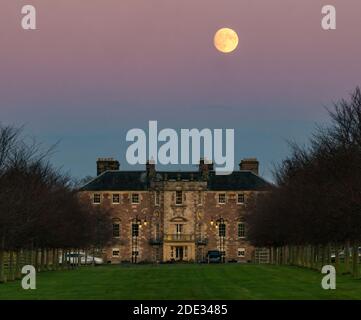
(226, 40)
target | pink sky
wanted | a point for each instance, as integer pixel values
(122, 62)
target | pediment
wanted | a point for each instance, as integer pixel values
(178, 219)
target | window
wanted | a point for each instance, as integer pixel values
(96, 198)
(116, 198)
(241, 230)
(115, 252)
(157, 198)
(240, 198)
(241, 252)
(135, 229)
(116, 229)
(178, 197)
(222, 229)
(135, 197)
(222, 198)
(157, 231)
(178, 228)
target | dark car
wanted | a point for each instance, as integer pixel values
(214, 256)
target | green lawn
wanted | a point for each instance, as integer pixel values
(232, 281)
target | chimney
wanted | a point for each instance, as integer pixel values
(204, 167)
(249, 164)
(105, 164)
(150, 167)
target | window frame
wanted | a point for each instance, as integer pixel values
(132, 199)
(241, 250)
(116, 223)
(115, 250)
(219, 198)
(115, 194)
(135, 230)
(239, 230)
(100, 198)
(243, 197)
(177, 194)
(157, 198)
(222, 230)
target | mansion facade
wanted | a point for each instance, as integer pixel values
(166, 216)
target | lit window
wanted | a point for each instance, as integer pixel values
(241, 230)
(135, 198)
(241, 252)
(116, 230)
(240, 198)
(222, 198)
(115, 252)
(222, 229)
(178, 197)
(96, 198)
(116, 198)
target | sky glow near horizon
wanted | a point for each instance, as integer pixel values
(92, 71)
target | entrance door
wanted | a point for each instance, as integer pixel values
(179, 253)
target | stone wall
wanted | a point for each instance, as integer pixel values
(199, 214)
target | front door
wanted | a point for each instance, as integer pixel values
(179, 253)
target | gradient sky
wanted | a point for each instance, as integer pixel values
(95, 69)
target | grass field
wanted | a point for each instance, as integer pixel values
(230, 281)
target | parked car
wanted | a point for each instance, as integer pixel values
(73, 258)
(214, 256)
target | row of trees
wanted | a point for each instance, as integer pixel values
(41, 217)
(313, 212)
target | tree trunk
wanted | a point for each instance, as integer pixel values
(355, 269)
(86, 256)
(11, 266)
(37, 260)
(347, 257)
(2, 260)
(42, 259)
(337, 258)
(19, 255)
(53, 257)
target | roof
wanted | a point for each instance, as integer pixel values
(138, 180)
(238, 180)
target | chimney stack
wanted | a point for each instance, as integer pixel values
(105, 164)
(204, 167)
(150, 167)
(249, 164)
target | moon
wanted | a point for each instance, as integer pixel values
(226, 40)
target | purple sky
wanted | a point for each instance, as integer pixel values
(94, 69)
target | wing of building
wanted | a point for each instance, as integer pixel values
(161, 216)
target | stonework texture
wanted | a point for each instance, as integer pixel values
(171, 217)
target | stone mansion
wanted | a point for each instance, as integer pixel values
(161, 216)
